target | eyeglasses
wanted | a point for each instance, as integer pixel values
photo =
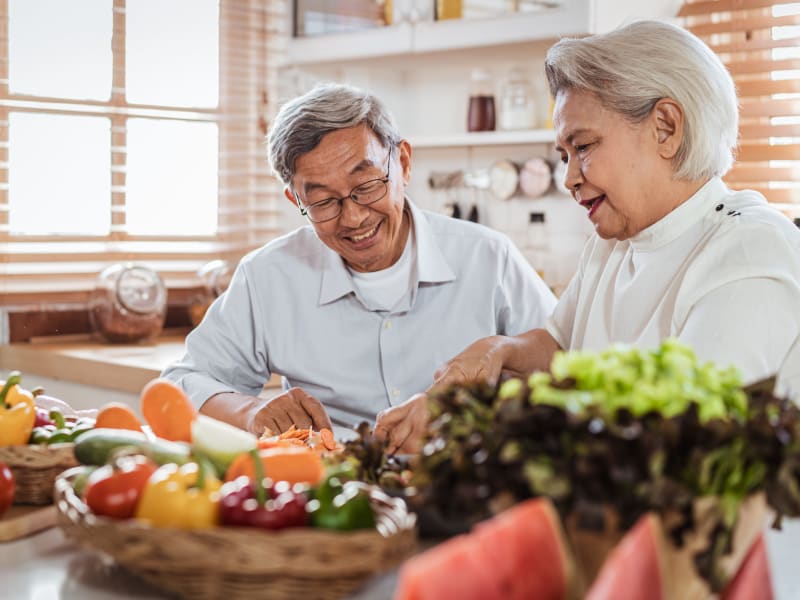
(363, 194)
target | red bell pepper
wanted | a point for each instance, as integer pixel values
(114, 489)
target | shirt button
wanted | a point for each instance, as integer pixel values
(719, 207)
(387, 325)
(395, 392)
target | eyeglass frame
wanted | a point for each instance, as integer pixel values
(384, 180)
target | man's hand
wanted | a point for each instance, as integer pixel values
(294, 407)
(481, 361)
(253, 414)
(404, 425)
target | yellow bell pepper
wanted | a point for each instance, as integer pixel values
(186, 497)
(17, 412)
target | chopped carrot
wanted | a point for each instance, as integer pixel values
(167, 410)
(327, 438)
(288, 432)
(115, 415)
(273, 443)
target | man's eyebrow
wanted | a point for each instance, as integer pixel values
(310, 186)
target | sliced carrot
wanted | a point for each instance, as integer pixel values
(288, 432)
(167, 410)
(116, 415)
(273, 443)
(326, 435)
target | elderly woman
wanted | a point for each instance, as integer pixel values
(646, 123)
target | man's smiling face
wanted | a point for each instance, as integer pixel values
(368, 238)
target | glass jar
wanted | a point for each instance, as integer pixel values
(128, 303)
(214, 277)
(481, 112)
(517, 107)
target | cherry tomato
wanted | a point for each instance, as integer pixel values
(7, 486)
(113, 490)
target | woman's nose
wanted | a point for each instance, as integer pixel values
(573, 176)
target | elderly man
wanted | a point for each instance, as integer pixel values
(357, 309)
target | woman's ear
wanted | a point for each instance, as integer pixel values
(668, 116)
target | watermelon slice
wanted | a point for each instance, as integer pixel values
(450, 570)
(753, 579)
(520, 554)
(633, 570)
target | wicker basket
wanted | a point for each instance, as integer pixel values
(35, 468)
(230, 562)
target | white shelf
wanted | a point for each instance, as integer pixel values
(570, 17)
(358, 45)
(483, 138)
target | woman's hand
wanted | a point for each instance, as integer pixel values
(483, 360)
(404, 425)
(490, 357)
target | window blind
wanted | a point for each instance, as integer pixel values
(252, 36)
(759, 42)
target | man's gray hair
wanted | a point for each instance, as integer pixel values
(633, 67)
(300, 123)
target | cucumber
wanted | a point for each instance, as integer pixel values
(95, 447)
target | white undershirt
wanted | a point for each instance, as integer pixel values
(381, 290)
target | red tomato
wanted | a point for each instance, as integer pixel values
(7, 486)
(113, 490)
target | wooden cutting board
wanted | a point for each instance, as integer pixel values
(22, 520)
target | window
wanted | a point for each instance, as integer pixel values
(133, 130)
(759, 42)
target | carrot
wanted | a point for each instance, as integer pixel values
(326, 435)
(167, 410)
(294, 464)
(270, 443)
(115, 415)
(288, 432)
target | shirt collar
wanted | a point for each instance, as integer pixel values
(679, 220)
(431, 265)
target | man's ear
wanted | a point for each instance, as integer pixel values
(289, 195)
(668, 116)
(404, 152)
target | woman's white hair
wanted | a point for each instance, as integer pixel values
(300, 123)
(633, 67)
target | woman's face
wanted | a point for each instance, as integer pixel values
(613, 166)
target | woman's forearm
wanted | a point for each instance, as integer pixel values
(528, 352)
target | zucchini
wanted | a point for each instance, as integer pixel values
(96, 446)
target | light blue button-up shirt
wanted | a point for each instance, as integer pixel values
(292, 309)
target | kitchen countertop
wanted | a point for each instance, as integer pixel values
(83, 360)
(47, 566)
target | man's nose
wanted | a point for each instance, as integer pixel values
(353, 214)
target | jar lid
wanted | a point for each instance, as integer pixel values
(140, 290)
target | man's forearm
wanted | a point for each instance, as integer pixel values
(231, 407)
